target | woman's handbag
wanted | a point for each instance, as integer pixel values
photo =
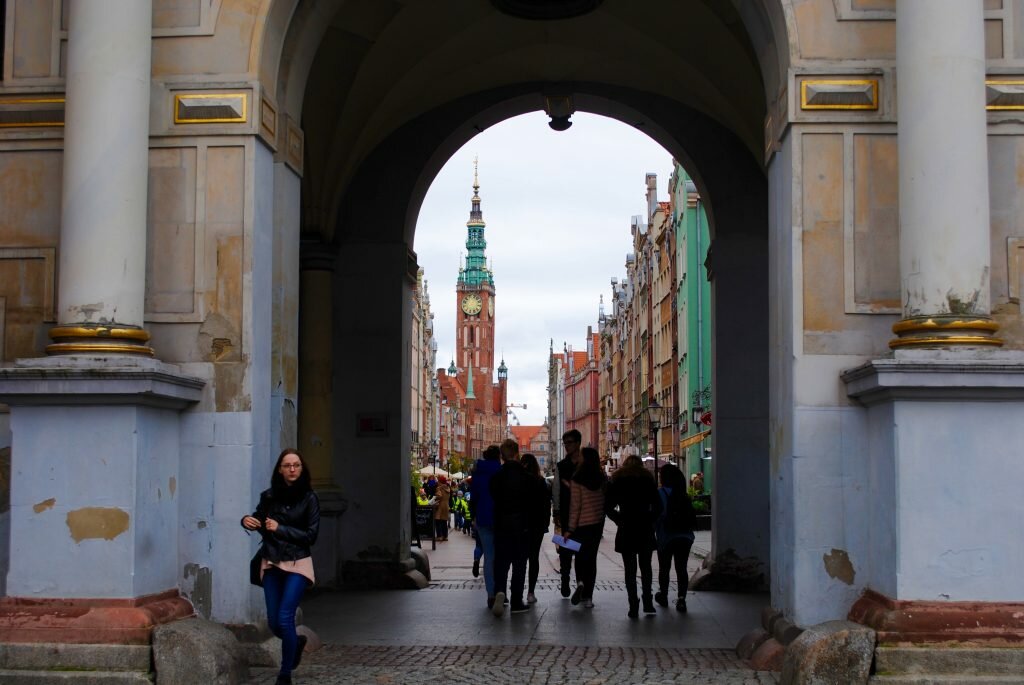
(255, 577)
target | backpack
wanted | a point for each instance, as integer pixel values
(678, 516)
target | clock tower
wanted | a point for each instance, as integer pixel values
(474, 292)
(475, 403)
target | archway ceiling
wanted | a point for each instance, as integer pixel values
(381, 64)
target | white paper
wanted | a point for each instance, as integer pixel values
(568, 544)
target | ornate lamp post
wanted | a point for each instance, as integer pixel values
(654, 419)
(614, 435)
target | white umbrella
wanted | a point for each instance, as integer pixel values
(429, 471)
(458, 474)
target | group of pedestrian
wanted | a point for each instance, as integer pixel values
(511, 502)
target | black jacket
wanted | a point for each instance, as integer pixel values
(632, 502)
(565, 469)
(298, 526)
(517, 497)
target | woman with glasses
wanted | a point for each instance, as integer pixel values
(288, 519)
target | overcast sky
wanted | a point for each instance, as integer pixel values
(558, 209)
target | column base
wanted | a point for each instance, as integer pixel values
(89, 621)
(902, 622)
(945, 330)
(102, 340)
(380, 575)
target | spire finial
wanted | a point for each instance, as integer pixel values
(476, 182)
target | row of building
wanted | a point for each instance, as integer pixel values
(643, 383)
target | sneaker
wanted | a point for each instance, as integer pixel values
(476, 568)
(531, 598)
(300, 647)
(498, 609)
(577, 595)
(519, 607)
(588, 604)
(661, 598)
(490, 602)
(681, 605)
(565, 588)
(283, 680)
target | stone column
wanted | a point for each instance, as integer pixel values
(106, 148)
(316, 339)
(943, 193)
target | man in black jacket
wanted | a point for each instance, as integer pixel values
(564, 469)
(515, 494)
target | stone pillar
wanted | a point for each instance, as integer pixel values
(943, 176)
(316, 339)
(106, 148)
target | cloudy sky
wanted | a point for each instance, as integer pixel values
(558, 209)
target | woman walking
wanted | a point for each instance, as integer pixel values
(443, 509)
(538, 526)
(632, 503)
(586, 522)
(674, 531)
(288, 519)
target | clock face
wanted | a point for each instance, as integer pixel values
(472, 304)
(490, 308)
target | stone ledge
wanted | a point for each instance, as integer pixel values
(89, 621)
(911, 622)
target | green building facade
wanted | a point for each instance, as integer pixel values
(693, 309)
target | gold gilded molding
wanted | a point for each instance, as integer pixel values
(1004, 95)
(211, 108)
(839, 94)
(31, 112)
(77, 348)
(945, 329)
(98, 332)
(98, 339)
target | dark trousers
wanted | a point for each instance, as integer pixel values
(283, 591)
(589, 538)
(536, 540)
(630, 561)
(677, 552)
(511, 549)
(441, 527)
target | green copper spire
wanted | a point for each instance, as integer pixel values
(476, 273)
(469, 385)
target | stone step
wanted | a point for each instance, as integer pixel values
(20, 677)
(46, 656)
(957, 661)
(948, 679)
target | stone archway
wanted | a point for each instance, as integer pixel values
(368, 165)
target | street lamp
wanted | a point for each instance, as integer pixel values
(434, 450)
(654, 419)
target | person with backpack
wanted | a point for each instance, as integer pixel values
(674, 533)
(632, 503)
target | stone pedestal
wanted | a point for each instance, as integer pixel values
(944, 491)
(94, 483)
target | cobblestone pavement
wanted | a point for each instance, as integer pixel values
(519, 665)
(445, 634)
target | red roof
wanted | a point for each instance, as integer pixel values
(525, 435)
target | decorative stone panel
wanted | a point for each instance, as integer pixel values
(1015, 267)
(839, 94)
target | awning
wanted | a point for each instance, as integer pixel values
(694, 439)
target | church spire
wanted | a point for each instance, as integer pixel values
(475, 272)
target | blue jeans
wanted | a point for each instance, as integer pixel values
(283, 592)
(485, 534)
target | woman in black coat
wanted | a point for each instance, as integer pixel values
(539, 517)
(288, 519)
(632, 503)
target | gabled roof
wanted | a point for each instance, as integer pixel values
(525, 434)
